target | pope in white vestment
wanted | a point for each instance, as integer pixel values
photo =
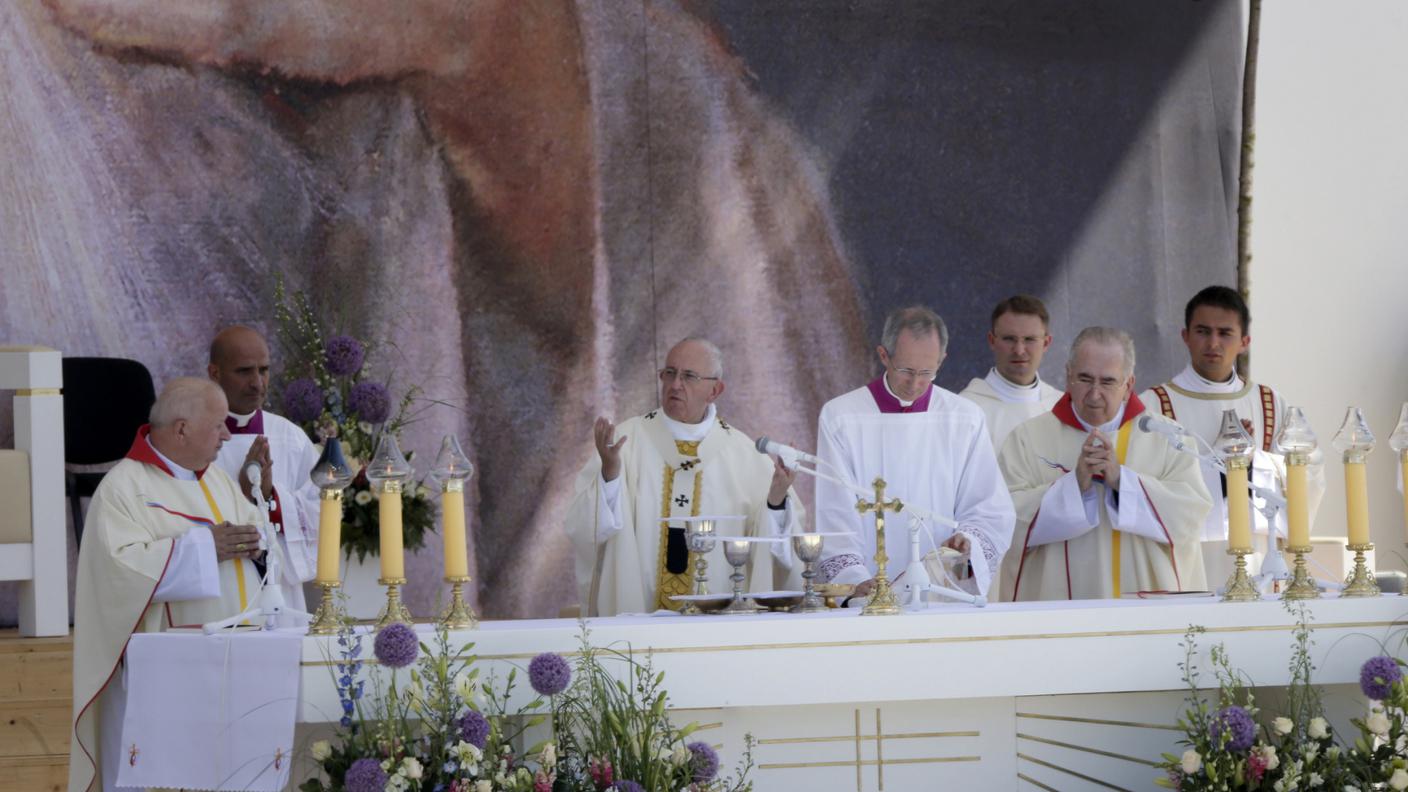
(293, 504)
(149, 561)
(629, 559)
(1102, 509)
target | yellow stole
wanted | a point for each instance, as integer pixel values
(239, 563)
(1121, 449)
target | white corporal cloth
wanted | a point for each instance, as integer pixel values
(210, 712)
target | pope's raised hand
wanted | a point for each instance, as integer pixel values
(610, 452)
(782, 478)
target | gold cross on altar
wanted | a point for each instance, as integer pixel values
(882, 598)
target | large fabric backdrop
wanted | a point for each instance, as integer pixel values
(529, 202)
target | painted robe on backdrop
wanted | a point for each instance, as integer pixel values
(933, 454)
(147, 563)
(294, 505)
(624, 561)
(1075, 546)
(1006, 406)
(1196, 404)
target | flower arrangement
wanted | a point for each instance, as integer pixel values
(328, 395)
(1380, 754)
(1229, 749)
(443, 728)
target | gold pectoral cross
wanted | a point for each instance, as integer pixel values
(882, 597)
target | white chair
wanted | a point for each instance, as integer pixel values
(33, 533)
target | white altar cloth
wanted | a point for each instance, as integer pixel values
(210, 712)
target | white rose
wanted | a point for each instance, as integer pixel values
(1283, 725)
(1399, 779)
(321, 750)
(1377, 723)
(363, 497)
(1269, 754)
(411, 767)
(1319, 729)
(1192, 762)
(483, 786)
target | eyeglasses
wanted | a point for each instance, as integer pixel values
(923, 375)
(669, 373)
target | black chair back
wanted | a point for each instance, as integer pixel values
(105, 400)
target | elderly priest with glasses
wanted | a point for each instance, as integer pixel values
(1104, 506)
(932, 449)
(680, 460)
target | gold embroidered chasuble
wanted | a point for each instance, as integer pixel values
(638, 568)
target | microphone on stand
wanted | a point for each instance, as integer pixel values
(766, 446)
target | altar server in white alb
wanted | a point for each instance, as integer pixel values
(681, 459)
(1102, 507)
(1217, 328)
(239, 364)
(169, 541)
(932, 449)
(1013, 391)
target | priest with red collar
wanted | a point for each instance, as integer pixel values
(932, 449)
(239, 364)
(1102, 508)
(168, 542)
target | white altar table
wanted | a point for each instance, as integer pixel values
(1078, 695)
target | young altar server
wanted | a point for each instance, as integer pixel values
(1217, 328)
(1013, 391)
(931, 448)
(169, 540)
(1102, 508)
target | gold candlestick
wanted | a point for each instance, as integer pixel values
(395, 611)
(458, 615)
(330, 616)
(882, 600)
(1360, 582)
(1302, 586)
(1239, 586)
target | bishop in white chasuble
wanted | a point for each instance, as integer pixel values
(149, 562)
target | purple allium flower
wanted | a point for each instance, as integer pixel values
(303, 400)
(625, 785)
(474, 729)
(396, 645)
(1241, 731)
(1377, 676)
(365, 775)
(703, 763)
(549, 674)
(370, 401)
(344, 356)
